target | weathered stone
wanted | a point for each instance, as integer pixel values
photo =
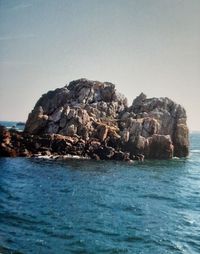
(150, 126)
(63, 122)
(159, 147)
(125, 134)
(159, 116)
(181, 141)
(102, 132)
(121, 156)
(79, 101)
(36, 121)
(52, 128)
(55, 117)
(105, 152)
(86, 109)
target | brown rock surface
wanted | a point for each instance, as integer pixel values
(159, 116)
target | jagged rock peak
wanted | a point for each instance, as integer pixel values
(139, 99)
(64, 108)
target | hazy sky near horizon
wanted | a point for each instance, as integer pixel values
(150, 46)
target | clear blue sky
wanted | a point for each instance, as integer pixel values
(141, 45)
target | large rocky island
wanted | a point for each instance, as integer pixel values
(91, 119)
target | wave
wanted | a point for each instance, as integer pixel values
(195, 151)
(158, 197)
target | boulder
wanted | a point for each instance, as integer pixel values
(37, 120)
(102, 132)
(159, 147)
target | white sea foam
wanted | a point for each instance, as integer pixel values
(176, 158)
(61, 157)
(68, 156)
(47, 157)
(195, 151)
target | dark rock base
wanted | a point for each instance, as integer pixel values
(20, 144)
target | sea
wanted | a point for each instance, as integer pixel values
(88, 207)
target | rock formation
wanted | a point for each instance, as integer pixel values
(91, 118)
(155, 127)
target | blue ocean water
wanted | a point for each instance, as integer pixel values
(76, 206)
(12, 124)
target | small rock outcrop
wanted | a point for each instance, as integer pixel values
(155, 127)
(90, 118)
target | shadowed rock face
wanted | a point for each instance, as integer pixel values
(89, 110)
